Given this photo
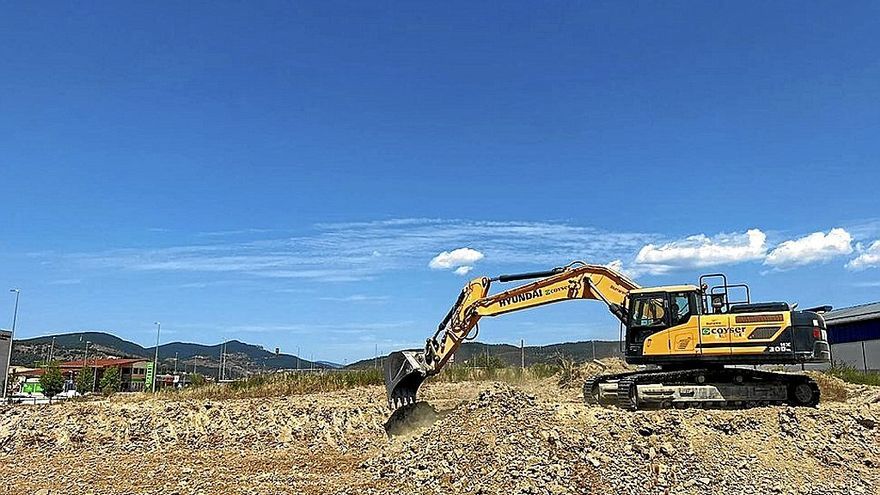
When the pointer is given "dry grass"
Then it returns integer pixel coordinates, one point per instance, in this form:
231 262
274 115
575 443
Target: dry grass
455 374
831 388
573 375
283 384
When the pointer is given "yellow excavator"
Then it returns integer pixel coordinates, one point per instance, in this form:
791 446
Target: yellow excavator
695 340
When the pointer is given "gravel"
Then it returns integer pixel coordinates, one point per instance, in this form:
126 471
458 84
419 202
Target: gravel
470 438
506 441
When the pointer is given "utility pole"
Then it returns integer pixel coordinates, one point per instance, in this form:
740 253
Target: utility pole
156 357
376 357
220 366
175 362
11 341
52 350
522 354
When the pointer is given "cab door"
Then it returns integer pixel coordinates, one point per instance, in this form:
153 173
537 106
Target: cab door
684 331
648 322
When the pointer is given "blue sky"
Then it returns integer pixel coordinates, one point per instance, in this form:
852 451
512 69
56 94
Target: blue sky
284 173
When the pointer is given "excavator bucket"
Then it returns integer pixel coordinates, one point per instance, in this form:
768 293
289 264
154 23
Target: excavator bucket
404 373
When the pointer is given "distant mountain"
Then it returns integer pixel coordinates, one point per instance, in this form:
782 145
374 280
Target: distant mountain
254 357
330 364
577 351
241 358
72 346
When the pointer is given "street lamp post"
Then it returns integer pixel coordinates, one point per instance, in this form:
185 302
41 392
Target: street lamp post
156 358
86 355
85 365
11 340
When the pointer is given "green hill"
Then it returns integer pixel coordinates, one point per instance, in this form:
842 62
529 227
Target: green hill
577 351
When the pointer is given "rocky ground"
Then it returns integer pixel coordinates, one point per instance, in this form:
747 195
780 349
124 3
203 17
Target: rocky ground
475 437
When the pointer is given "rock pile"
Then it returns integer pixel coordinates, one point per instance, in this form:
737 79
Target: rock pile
506 441
501 439
149 424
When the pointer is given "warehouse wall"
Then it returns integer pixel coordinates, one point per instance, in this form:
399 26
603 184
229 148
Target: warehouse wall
850 353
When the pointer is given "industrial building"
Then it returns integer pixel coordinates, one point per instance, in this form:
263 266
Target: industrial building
854 334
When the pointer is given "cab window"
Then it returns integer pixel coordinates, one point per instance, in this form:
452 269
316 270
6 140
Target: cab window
649 312
682 307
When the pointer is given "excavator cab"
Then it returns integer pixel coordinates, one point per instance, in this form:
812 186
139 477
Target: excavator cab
656 310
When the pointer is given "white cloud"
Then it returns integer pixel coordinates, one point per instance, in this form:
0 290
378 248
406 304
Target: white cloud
868 257
814 248
355 251
616 265
457 259
463 270
630 270
701 251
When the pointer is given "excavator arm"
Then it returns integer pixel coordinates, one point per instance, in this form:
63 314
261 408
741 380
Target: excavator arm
405 371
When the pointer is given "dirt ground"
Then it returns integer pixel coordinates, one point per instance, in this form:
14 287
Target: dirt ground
475 437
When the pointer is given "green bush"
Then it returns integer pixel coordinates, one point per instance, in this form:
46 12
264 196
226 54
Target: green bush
852 375
52 382
85 380
197 380
110 381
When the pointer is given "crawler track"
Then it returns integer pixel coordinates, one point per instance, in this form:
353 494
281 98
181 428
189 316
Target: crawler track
725 388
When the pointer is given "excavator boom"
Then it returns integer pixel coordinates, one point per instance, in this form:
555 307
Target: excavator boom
405 371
